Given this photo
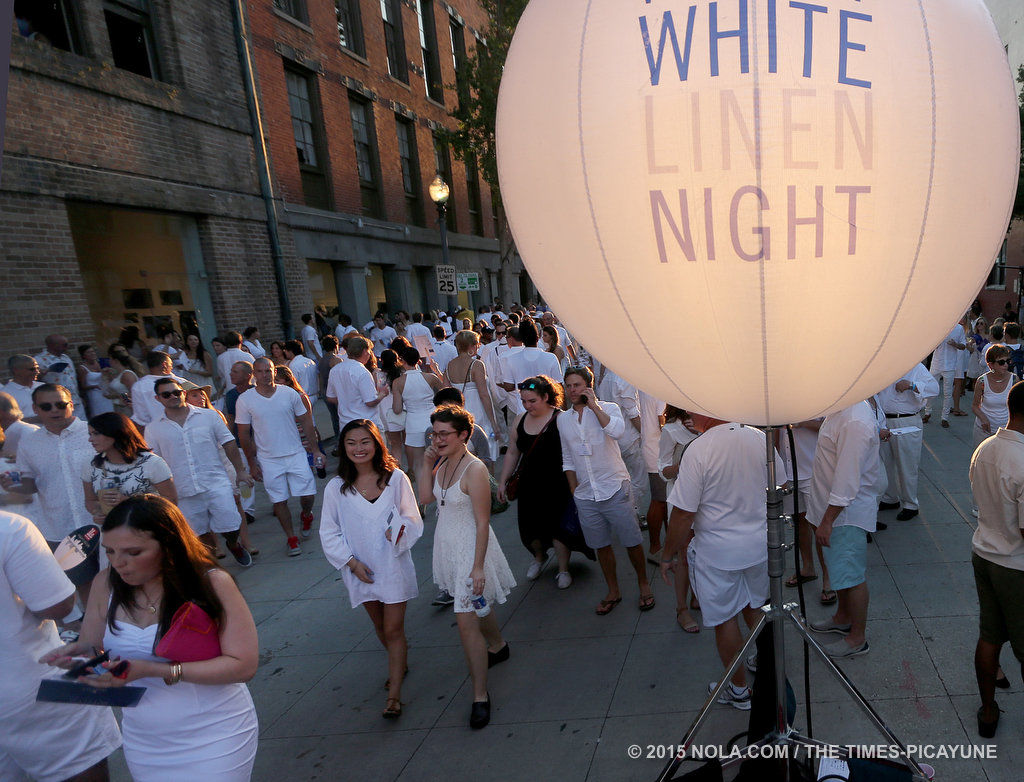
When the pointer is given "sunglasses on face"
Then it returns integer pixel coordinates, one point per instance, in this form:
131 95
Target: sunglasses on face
48 406
169 394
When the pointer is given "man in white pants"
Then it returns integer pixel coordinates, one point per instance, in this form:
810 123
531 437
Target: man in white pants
266 416
901 453
44 741
945 359
189 439
719 494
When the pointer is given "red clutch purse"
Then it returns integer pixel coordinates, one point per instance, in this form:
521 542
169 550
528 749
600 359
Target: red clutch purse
192 636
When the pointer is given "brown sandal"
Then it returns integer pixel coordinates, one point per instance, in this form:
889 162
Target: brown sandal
393 709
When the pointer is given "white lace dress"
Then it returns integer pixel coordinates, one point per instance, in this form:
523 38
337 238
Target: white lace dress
455 549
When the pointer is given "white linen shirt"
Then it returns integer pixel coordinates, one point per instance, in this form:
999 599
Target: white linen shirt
145 406
254 347
381 338
307 375
417 329
997 478
228 359
444 352
55 462
592 451
945 357
341 331
22 394
192 449
308 334
923 387
847 468
352 385
517 365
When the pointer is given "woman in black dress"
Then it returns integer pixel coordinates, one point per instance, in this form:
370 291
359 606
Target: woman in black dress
546 514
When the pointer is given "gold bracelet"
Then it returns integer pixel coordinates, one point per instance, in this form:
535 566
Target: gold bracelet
176 674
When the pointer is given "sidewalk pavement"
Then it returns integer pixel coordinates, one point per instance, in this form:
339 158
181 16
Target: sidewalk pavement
579 689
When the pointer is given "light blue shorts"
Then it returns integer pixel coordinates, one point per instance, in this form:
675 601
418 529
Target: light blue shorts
847 556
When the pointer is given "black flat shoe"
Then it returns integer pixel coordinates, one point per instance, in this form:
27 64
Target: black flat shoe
881 525
480 714
493 658
888 505
985 729
1003 683
907 514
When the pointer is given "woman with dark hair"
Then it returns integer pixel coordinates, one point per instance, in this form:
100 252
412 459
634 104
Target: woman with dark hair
276 354
92 382
194 363
123 466
414 393
535 448
368 524
467 561
391 368
131 341
552 344
196 720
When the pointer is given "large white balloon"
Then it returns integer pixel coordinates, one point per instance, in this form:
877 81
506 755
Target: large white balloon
761 210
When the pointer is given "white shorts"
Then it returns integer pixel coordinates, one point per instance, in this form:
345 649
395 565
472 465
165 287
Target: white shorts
50 742
803 492
723 594
287 476
211 511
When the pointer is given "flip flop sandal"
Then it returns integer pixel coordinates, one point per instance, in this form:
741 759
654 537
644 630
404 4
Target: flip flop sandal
828 597
793 580
605 607
393 710
646 602
689 627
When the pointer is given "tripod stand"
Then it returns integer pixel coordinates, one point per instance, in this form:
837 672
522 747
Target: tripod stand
776 614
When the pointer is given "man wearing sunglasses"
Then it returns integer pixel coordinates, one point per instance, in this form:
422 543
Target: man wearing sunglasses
902 403
50 462
189 439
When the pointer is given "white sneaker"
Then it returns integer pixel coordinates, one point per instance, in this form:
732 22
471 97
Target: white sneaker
533 571
738 698
564 580
752 663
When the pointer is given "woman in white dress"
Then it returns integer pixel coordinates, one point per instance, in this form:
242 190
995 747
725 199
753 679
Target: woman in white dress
468 373
414 393
194 363
123 372
196 720
467 559
391 368
92 382
368 524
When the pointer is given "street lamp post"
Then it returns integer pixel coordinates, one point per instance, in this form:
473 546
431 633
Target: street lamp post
439 193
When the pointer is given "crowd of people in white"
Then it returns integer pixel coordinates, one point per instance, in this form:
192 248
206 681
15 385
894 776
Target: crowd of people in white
161 446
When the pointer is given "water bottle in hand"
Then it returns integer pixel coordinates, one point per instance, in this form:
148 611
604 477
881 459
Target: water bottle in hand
479 601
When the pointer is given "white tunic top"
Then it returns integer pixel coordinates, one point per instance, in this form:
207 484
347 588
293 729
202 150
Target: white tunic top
272 420
352 385
192 450
352 526
591 451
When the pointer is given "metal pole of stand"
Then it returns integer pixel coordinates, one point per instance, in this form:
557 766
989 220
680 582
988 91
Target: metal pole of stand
776 613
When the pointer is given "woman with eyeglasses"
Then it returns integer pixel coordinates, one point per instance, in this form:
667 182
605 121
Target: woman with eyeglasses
990 392
467 560
123 466
368 525
544 499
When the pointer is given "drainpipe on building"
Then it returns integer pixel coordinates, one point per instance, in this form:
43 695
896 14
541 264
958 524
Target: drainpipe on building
263 167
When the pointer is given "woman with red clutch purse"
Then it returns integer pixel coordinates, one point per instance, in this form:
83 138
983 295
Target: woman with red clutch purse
188 637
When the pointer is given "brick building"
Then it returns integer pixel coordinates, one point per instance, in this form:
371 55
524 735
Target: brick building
353 93
129 190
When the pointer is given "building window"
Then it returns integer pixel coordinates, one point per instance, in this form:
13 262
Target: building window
476 217
350 28
997 277
306 126
47 21
296 9
457 33
394 41
411 183
367 160
130 29
443 166
428 45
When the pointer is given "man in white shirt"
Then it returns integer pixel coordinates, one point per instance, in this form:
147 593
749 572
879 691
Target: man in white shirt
41 740
531 361
844 507
901 453
719 494
251 342
231 356
416 328
170 343
945 358
352 388
344 327
599 483
266 416
57 368
380 333
24 371
612 388
145 405
444 351
997 480
304 369
310 339
13 429
189 439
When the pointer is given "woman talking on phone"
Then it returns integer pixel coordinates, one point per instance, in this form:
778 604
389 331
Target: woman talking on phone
196 720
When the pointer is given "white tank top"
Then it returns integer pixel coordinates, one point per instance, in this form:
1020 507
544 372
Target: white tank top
993 404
